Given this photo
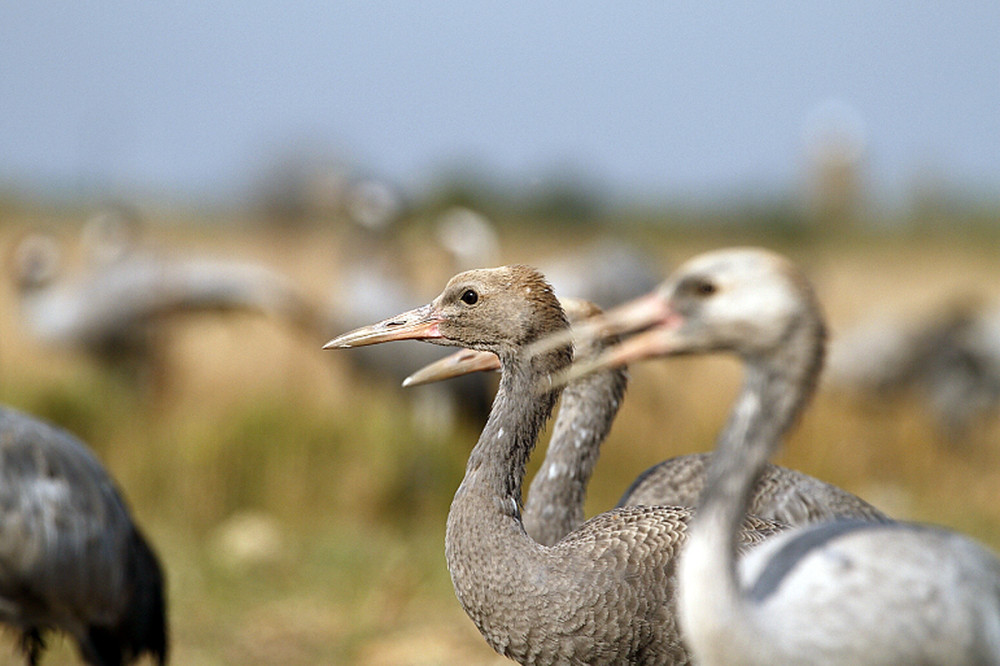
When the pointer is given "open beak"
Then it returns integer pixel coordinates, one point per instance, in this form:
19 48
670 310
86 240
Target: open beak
418 324
460 363
635 315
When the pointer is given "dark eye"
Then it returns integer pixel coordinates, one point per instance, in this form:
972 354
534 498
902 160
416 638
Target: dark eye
469 297
704 288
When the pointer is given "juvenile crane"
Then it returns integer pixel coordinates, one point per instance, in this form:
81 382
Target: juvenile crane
71 558
840 592
603 594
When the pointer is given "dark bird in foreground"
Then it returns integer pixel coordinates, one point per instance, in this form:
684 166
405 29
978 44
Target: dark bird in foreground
71 558
554 506
605 593
838 592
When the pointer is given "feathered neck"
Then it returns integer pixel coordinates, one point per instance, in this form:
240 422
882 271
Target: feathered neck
520 410
775 389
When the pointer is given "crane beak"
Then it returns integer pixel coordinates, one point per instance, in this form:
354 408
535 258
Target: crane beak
460 363
418 324
636 315
661 340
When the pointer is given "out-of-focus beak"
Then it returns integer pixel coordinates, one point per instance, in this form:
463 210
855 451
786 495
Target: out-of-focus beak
418 324
460 363
635 315
661 340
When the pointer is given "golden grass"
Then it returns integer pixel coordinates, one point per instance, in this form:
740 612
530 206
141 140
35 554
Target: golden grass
351 498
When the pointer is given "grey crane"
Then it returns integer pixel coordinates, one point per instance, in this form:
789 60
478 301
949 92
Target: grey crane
71 557
554 506
949 356
116 313
838 592
604 593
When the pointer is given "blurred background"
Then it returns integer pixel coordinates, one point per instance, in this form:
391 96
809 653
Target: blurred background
193 199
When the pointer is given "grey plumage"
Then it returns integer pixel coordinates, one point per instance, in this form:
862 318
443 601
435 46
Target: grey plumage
785 495
827 593
116 312
949 357
605 593
554 506
71 558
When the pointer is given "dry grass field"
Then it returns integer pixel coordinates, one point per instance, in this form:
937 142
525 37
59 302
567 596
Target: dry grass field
299 513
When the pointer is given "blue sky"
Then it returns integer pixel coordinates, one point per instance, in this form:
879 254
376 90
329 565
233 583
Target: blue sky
645 98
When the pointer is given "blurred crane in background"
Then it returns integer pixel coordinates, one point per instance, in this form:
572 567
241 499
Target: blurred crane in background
950 357
117 310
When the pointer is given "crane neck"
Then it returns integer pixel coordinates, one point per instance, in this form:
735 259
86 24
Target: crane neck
776 387
484 522
497 463
554 506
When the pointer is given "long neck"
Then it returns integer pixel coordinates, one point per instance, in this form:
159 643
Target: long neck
775 389
519 412
554 506
485 539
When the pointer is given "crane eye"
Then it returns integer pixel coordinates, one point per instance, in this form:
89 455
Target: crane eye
470 297
705 288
